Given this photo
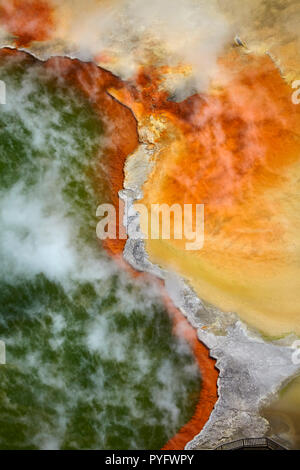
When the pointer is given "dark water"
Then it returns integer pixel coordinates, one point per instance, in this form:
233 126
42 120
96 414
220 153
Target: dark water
91 359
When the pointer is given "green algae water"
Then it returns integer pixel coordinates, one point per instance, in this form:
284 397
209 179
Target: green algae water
91 362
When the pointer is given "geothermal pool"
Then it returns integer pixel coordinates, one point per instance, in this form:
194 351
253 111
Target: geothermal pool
92 361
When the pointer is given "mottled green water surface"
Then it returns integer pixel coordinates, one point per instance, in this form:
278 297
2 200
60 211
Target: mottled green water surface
91 359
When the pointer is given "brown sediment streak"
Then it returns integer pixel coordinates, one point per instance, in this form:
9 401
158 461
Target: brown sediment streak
27 20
